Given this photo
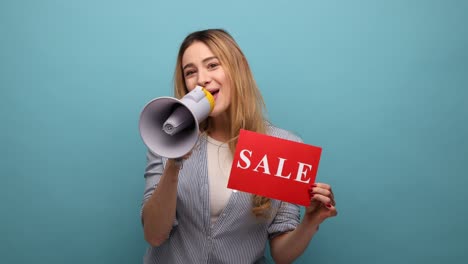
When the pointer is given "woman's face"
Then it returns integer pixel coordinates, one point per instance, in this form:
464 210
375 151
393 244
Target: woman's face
201 67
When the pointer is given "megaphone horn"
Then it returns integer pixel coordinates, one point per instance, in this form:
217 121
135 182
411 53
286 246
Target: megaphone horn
169 127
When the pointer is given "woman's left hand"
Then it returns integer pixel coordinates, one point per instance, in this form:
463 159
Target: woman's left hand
322 203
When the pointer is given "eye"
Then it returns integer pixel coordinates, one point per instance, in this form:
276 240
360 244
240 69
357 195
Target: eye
189 72
213 65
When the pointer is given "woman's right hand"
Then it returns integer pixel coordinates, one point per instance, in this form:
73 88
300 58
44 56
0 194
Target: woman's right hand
178 162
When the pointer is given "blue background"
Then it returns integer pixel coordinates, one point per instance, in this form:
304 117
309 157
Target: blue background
380 85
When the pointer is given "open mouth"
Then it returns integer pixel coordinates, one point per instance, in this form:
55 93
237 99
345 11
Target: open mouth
214 93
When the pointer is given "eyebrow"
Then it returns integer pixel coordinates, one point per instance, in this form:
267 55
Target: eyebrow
204 61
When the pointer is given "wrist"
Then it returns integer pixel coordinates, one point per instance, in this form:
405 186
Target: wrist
311 221
171 170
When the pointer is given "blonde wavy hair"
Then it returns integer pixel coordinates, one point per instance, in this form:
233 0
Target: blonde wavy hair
247 108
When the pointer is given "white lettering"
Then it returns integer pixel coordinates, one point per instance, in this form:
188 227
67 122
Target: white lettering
301 172
245 159
263 164
279 171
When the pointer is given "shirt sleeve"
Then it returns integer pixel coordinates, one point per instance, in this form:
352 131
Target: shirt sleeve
153 172
287 218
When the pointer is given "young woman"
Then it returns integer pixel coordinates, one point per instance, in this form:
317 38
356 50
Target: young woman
188 214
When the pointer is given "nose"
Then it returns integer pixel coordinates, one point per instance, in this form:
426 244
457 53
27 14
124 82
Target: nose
204 78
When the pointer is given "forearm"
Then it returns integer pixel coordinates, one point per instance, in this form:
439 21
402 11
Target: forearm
159 210
291 245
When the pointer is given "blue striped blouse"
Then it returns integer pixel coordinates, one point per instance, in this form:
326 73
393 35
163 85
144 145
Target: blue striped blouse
236 237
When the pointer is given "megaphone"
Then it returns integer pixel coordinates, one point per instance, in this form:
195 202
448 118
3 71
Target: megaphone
169 127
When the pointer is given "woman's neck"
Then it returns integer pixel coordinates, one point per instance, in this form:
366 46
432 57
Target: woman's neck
219 128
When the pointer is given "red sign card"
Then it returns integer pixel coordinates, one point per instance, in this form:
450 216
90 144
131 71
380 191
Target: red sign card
274 167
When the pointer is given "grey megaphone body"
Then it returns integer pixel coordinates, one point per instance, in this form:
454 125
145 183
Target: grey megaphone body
169 127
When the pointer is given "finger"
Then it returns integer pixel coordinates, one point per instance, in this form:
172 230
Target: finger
316 187
186 156
332 211
322 191
323 199
322 185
